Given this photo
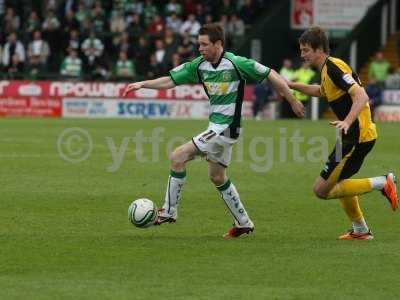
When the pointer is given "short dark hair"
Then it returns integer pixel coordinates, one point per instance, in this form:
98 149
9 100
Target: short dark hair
316 38
214 31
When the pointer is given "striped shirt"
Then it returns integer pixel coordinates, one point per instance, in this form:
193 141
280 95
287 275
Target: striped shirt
224 85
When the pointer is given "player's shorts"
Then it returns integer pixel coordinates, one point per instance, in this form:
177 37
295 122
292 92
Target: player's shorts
346 161
216 148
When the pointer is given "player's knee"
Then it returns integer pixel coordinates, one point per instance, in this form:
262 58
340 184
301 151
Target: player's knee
217 179
177 158
320 193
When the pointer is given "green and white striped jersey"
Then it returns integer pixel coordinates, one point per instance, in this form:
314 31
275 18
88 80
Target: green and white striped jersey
224 85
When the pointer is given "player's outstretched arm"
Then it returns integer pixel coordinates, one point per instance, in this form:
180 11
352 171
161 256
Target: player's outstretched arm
160 84
281 86
308 89
360 99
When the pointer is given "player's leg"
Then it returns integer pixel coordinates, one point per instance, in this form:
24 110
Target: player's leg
330 177
230 195
346 187
176 180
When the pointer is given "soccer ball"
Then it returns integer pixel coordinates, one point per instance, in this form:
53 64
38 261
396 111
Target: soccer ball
142 213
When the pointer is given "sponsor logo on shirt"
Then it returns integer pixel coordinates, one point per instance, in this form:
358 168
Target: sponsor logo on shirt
348 78
227 76
217 88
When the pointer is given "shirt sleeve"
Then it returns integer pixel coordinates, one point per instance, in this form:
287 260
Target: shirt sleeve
341 76
185 74
252 70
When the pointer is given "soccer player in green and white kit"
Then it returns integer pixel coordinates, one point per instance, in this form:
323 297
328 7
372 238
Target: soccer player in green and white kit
223 76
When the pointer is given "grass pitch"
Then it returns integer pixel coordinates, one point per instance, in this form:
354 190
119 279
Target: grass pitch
64 232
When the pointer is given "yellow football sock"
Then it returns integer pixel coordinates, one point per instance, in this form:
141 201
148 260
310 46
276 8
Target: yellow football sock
352 208
350 187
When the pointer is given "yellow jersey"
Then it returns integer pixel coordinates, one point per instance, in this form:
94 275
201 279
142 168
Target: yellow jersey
337 82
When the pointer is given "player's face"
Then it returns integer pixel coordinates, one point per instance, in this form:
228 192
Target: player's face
310 55
207 49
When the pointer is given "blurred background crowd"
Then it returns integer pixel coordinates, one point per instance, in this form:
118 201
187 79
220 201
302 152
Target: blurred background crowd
113 40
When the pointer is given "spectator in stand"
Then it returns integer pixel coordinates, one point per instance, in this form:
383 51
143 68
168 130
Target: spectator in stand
263 94
175 62
71 66
223 21
173 7
236 29
186 49
287 70
51 33
379 69
171 44
11 22
16 67
33 23
35 68
289 74
92 48
11 48
74 41
305 75
154 69
160 54
82 14
174 22
149 11
117 25
200 13
134 25
156 27
393 79
38 49
208 19
133 7
69 23
191 26
51 21
189 7
226 8
142 55
248 12
124 67
98 18
125 45
374 92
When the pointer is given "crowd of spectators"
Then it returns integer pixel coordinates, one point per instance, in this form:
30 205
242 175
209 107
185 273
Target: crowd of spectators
111 39
381 75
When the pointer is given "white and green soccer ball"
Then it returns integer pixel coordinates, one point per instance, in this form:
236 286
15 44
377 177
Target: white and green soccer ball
142 213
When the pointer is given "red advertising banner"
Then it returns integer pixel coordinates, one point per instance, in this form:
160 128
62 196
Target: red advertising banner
61 89
30 106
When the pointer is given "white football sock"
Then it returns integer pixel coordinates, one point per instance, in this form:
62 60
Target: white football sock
360 226
378 182
235 206
173 194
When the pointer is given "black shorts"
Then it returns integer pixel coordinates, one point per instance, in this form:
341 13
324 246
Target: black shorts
348 161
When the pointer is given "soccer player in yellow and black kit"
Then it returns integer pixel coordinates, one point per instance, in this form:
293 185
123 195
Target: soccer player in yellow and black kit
342 88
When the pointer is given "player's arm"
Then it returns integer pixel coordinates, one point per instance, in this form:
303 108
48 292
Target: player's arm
308 89
281 86
161 83
360 99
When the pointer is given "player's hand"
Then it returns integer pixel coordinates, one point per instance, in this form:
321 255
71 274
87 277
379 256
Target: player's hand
298 108
288 82
132 87
342 125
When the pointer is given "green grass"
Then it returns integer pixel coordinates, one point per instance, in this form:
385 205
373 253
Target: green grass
64 232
